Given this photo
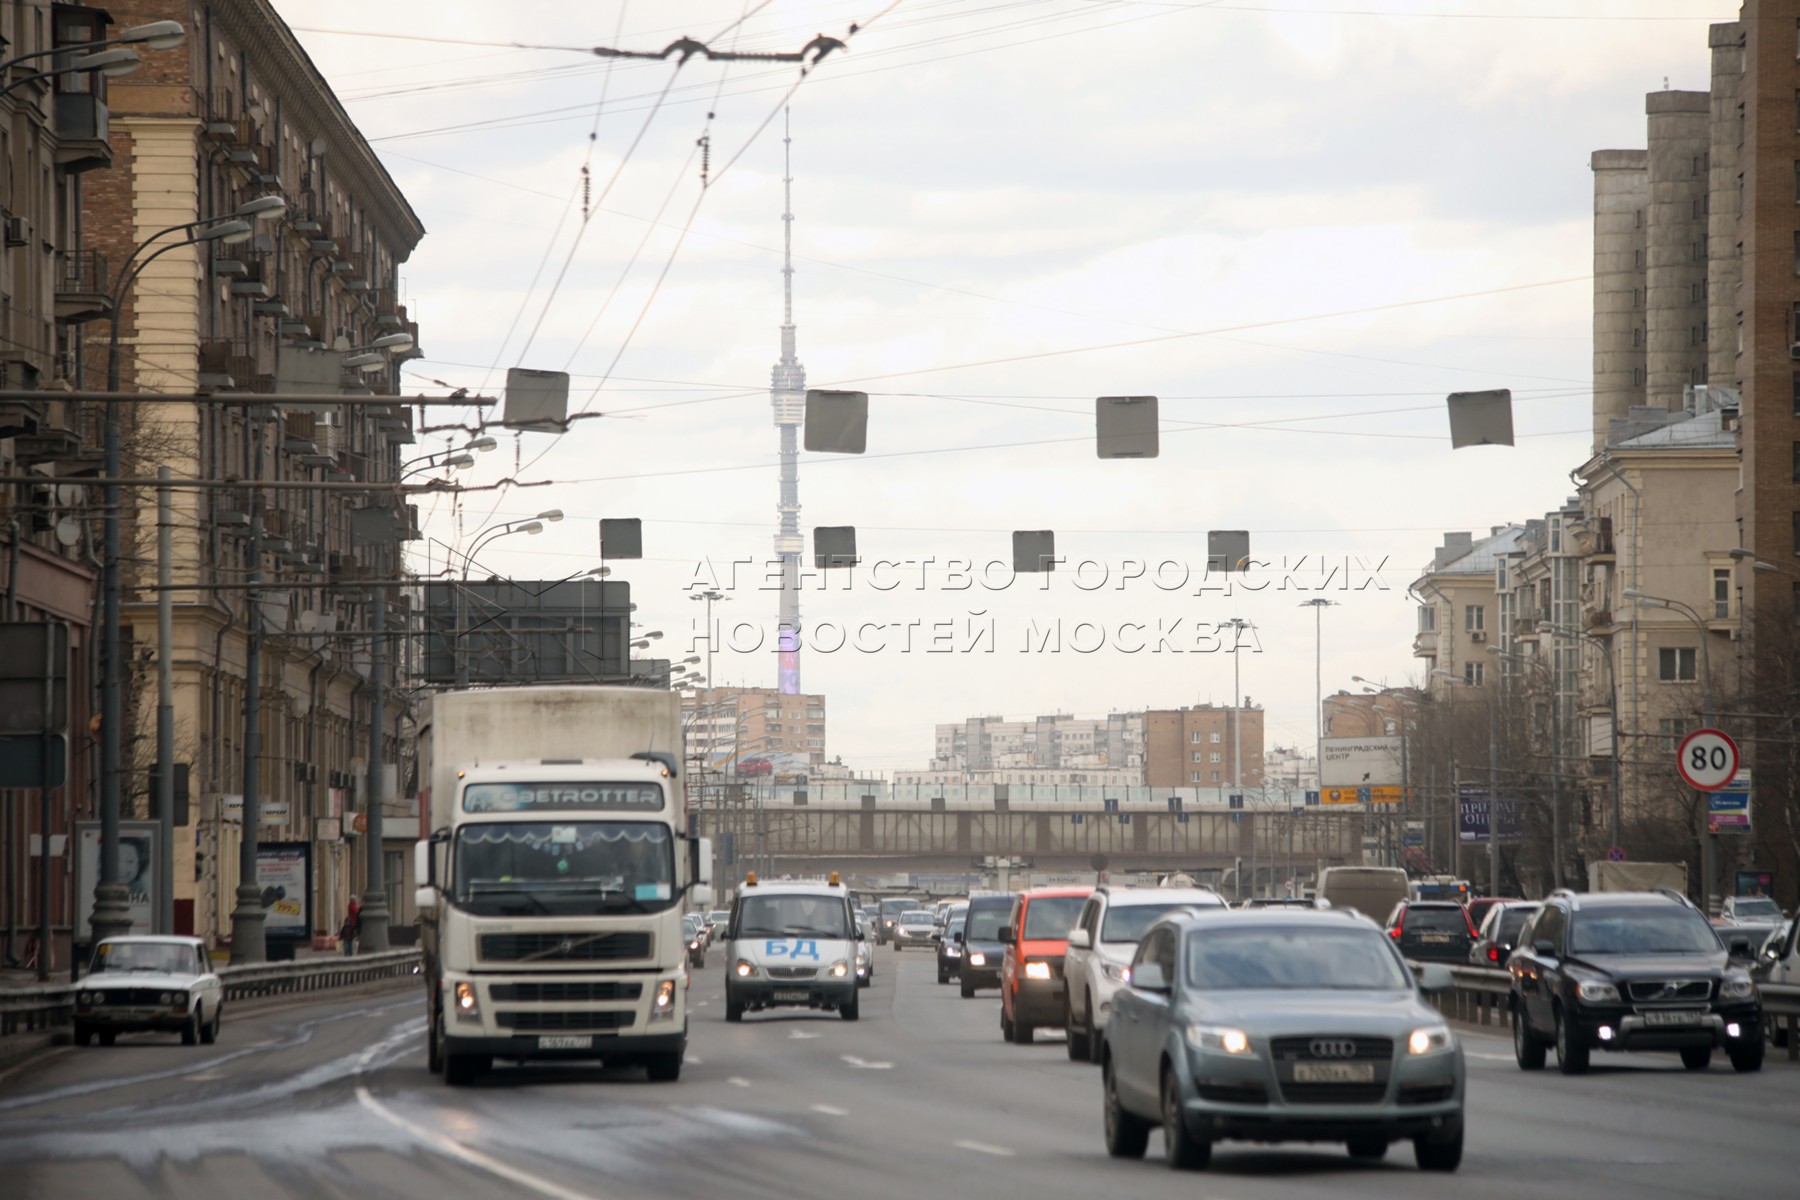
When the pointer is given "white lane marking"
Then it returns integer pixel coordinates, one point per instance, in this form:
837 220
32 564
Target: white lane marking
445 1145
46 1056
205 1076
738 1081
830 1111
700 1003
983 1148
1490 1057
690 1060
864 1065
800 1035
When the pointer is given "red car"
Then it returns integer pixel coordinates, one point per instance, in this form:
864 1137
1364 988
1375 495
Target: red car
1036 936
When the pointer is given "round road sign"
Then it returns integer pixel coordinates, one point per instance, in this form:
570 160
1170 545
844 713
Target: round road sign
1707 759
1616 854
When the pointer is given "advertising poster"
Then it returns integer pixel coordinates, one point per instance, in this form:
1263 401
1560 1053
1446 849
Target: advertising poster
1472 816
137 870
1362 762
284 869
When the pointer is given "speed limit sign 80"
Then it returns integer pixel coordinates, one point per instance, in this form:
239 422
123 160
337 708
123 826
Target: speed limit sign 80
1707 759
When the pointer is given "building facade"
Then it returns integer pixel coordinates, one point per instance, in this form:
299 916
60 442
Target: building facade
731 727
1458 608
310 302
1201 747
1051 742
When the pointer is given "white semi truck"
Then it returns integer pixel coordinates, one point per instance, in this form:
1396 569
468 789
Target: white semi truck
554 865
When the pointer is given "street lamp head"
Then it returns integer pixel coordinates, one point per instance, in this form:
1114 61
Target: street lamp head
461 462
231 233
601 573
1642 598
158 35
654 633
263 208
532 527
482 445
1740 553
393 341
1763 568
366 362
550 514
691 659
120 60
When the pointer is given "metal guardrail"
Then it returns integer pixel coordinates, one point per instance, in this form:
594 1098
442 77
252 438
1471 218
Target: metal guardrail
50 1007
1479 997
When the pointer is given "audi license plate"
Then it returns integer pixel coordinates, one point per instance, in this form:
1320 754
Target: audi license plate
1305 1072
567 1042
1674 1017
801 996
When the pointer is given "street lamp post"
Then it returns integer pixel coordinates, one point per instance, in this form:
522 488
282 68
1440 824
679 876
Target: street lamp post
529 525
1706 716
709 595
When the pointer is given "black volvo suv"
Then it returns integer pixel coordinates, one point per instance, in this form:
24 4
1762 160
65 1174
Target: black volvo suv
1630 971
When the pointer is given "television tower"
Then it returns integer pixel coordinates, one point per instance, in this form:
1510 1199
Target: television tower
787 393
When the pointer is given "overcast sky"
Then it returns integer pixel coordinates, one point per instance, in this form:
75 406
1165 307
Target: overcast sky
1299 224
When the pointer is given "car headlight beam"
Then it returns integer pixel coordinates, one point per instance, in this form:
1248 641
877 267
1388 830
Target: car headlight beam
1218 1039
467 1003
1037 970
839 969
744 969
978 959
1428 1040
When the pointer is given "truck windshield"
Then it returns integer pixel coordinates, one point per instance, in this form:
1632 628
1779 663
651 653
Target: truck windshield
564 868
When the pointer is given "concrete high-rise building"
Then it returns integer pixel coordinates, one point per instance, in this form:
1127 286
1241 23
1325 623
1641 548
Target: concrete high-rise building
1055 741
1621 202
728 727
1198 747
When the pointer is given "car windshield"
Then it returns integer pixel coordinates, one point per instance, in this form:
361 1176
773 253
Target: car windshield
985 922
144 956
893 908
1435 920
1759 908
555 867
718 918
793 916
1127 922
1049 917
1310 959
1645 930
917 918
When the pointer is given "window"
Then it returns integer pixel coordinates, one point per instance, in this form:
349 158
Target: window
1694 288
1797 533
1722 575
1215 777
1212 756
1197 755
1194 736
1740 336
1428 612
1640 212
1474 618
1214 737
1694 330
1637 258
1473 673
1637 297
1194 776
1637 377
1675 664
1797 393
1637 336
1695 171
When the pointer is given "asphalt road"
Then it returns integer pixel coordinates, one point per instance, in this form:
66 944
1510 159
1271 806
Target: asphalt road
918 1097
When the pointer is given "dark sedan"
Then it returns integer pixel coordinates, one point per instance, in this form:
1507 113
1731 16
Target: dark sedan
1432 930
1499 931
982 948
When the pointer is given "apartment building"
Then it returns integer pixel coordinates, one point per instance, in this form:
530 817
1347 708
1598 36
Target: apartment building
1050 742
731 727
1201 746
1459 610
309 302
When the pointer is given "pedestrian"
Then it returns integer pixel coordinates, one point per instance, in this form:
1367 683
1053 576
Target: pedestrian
351 929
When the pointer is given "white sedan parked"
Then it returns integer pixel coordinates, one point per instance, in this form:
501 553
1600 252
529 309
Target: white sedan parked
154 983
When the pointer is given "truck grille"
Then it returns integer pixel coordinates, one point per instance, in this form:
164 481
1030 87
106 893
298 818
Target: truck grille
136 997
565 993
1670 991
564 947
792 972
558 1022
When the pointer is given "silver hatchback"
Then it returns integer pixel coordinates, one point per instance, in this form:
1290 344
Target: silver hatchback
1280 1026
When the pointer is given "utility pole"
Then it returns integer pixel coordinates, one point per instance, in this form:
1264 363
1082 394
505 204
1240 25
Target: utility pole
247 943
373 936
165 704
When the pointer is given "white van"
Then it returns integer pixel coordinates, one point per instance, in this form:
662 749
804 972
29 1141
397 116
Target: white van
791 945
1371 891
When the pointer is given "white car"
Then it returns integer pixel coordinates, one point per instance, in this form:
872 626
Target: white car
1105 936
865 952
149 983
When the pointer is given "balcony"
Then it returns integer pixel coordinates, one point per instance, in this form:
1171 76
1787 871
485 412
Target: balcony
1425 644
20 418
83 290
67 440
83 132
231 365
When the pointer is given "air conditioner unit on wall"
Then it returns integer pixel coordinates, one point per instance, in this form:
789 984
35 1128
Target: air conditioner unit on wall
1476 635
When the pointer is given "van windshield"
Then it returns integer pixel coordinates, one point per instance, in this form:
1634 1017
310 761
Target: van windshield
793 916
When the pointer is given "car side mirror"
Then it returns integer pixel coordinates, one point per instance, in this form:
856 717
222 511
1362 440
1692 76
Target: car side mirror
1435 977
1148 977
957 937
1545 947
702 893
1006 935
861 936
1080 939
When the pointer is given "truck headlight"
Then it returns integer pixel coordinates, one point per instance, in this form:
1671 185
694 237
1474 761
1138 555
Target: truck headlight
1597 991
1218 1039
1429 1039
1737 986
1037 970
467 1005
663 1007
744 969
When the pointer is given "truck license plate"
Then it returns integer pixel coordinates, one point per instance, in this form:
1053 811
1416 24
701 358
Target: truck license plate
800 996
1678 1017
1334 1072
567 1042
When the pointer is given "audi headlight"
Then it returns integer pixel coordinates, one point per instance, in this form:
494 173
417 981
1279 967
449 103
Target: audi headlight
467 1004
1117 972
663 1007
1737 986
1428 1040
1037 970
1218 1039
1597 991
744 969
839 969
978 959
